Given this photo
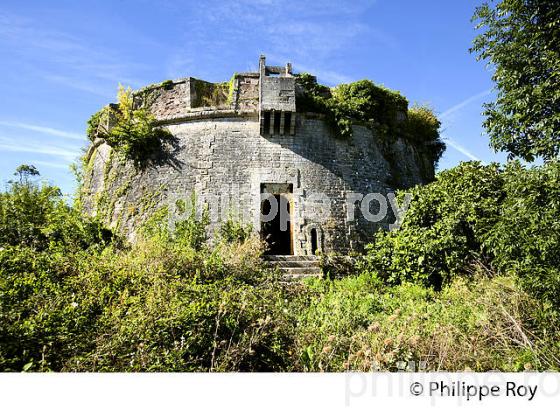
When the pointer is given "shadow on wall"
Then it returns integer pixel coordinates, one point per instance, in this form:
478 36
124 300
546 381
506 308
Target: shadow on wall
165 154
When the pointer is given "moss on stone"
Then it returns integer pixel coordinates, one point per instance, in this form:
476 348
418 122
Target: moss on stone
167 84
210 94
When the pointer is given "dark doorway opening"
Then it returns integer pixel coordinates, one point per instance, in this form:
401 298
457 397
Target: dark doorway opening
314 244
287 122
277 232
277 116
266 122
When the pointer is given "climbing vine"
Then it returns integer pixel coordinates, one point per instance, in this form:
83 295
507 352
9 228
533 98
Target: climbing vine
130 131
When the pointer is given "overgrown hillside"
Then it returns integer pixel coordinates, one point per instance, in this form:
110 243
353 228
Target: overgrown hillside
470 281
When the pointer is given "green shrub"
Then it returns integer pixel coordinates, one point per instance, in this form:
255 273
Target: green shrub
165 303
526 237
502 218
486 324
443 229
337 266
192 231
361 101
38 217
423 126
131 131
189 231
232 230
182 311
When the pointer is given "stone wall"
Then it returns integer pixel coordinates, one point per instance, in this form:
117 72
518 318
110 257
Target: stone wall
176 99
246 91
228 159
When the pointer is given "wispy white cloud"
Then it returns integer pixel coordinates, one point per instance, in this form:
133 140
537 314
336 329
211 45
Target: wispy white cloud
457 107
44 130
303 38
447 115
68 154
65 59
294 8
51 164
312 35
81 84
454 144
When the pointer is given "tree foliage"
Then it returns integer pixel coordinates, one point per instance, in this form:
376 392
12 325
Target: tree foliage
521 42
474 216
38 217
24 172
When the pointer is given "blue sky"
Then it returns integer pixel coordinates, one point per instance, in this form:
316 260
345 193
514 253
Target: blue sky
63 60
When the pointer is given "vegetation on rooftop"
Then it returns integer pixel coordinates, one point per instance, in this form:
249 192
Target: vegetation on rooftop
130 131
384 111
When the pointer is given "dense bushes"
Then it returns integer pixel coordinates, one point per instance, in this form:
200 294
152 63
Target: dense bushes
361 101
153 307
384 111
503 218
481 325
38 217
79 300
168 302
526 237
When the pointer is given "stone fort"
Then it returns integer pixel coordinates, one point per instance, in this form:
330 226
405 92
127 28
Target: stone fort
232 145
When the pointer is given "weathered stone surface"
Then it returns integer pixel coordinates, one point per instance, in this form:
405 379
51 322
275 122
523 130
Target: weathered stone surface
221 155
228 159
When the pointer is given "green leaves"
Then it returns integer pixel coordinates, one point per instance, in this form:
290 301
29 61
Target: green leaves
506 219
441 230
38 217
384 111
520 41
130 131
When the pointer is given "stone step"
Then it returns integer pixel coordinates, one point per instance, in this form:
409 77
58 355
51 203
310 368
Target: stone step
303 271
295 267
299 276
292 274
294 264
277 258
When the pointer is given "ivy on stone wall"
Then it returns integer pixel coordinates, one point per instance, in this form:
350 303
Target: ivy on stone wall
129 131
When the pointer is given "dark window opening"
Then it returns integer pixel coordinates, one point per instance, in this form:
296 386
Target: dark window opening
266 122
278 240
314 241
277 122
287 121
